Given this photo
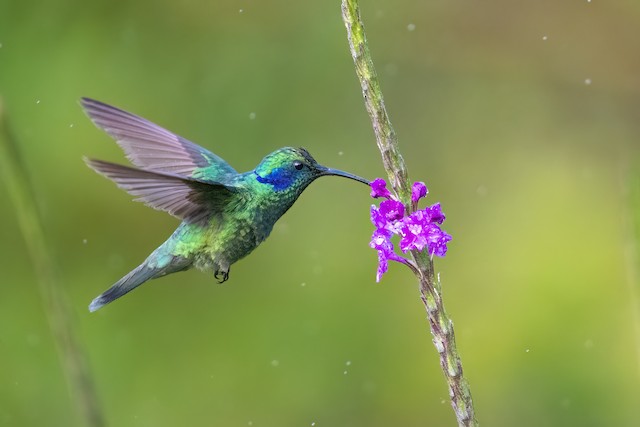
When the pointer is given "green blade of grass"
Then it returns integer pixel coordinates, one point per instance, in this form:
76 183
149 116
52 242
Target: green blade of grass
13 173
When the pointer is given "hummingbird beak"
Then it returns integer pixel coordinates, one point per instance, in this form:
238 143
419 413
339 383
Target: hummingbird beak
324 171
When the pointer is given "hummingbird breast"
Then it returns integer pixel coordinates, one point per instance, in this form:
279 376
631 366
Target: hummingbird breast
234 233
225 241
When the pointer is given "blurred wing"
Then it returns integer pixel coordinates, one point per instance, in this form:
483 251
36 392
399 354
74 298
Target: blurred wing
149 146
185 198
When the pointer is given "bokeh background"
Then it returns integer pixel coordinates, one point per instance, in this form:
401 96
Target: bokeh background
522 117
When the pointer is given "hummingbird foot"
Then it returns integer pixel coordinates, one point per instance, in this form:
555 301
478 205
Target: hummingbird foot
221 276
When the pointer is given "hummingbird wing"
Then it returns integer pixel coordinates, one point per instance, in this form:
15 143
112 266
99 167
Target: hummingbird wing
188 199
150 146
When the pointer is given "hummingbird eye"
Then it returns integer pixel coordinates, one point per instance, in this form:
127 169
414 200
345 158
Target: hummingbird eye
298 165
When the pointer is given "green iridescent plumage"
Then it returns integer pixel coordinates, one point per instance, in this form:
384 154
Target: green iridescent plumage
225 214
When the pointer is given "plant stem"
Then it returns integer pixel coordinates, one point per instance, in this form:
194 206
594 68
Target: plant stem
74 362
430 288
630 188
385 135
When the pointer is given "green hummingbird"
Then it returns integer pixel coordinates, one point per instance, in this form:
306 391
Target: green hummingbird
225 214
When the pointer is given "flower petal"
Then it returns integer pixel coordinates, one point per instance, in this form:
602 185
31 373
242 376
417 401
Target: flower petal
381 241
377 218
379 188
418 191
438 243
383 266
420 230
392 210
435 214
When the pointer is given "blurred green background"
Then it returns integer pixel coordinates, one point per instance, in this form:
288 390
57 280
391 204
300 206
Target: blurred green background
522 117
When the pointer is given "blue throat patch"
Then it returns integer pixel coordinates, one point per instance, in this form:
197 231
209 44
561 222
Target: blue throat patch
279 178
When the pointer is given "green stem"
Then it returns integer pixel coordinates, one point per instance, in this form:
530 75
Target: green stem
630 183
430 288
74 362
385 135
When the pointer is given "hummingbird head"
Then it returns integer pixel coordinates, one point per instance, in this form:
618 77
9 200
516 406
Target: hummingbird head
293 168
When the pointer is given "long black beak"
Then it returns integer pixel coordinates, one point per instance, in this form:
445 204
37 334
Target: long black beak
324 171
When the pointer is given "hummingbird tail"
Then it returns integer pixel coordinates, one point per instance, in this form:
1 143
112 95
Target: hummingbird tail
135 278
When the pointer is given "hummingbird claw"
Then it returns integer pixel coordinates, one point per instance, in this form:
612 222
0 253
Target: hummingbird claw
221 276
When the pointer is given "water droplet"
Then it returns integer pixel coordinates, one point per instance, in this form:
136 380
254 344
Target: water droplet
545 38
37 101
84 241
275 363
252 116
345 372
313 423
411 27
348 363
250 423
340 153
303 284
241 10
443 401
526 351
587 81
71 125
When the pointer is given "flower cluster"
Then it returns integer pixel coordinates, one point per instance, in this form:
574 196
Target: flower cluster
417 231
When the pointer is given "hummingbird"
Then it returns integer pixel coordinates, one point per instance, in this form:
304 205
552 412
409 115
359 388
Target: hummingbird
224 214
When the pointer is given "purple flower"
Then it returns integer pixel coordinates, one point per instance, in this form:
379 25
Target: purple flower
418 191
438 246
379 188
381 241
418 231
434 212
377 218
387 215
392 210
